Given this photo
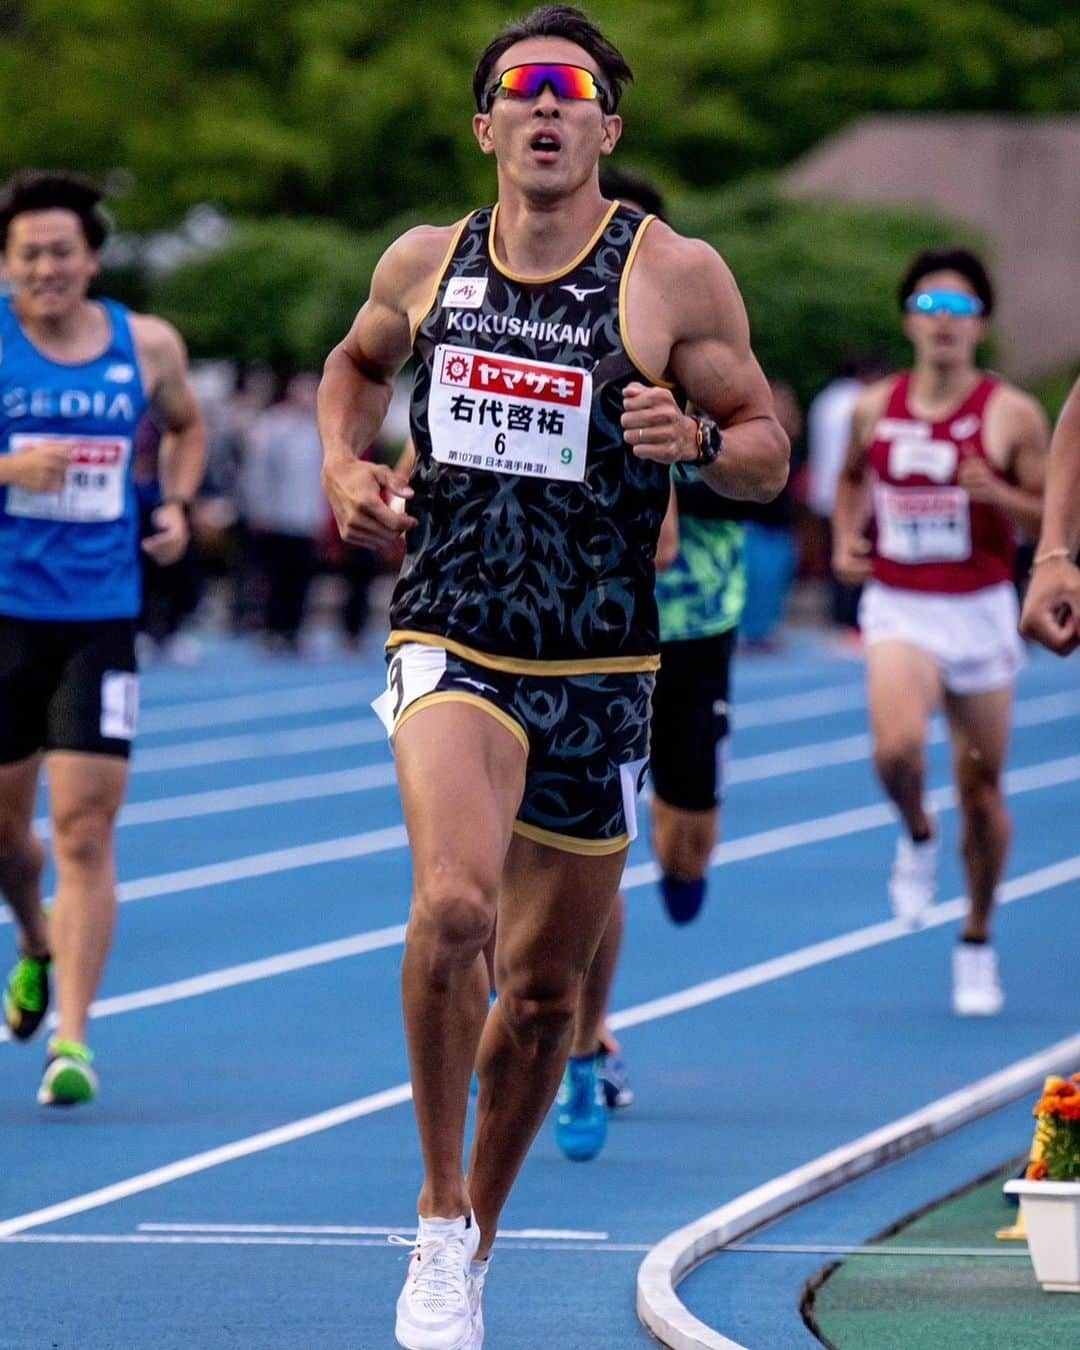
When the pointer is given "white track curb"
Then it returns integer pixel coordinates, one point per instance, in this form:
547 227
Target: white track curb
659 1307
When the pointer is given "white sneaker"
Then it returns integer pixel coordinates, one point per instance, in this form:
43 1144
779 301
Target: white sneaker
434 1311
478 1272
913 881
977 988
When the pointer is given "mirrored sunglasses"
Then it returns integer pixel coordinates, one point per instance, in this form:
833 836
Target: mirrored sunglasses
572 82
957 303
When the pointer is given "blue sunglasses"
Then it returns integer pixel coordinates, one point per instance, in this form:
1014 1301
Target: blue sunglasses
957 303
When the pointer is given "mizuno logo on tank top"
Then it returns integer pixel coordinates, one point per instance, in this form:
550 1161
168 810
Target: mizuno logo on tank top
537 525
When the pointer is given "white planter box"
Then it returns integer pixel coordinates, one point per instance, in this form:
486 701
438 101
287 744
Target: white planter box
1052 1214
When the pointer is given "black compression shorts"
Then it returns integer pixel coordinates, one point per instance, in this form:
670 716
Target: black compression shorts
67 686
690 721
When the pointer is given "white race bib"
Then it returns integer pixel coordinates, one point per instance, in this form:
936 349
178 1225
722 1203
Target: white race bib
413 671
911 456
632 780
925 524
119 704
93 490
508 415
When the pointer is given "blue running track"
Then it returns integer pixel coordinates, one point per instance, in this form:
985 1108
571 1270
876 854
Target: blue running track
253 1144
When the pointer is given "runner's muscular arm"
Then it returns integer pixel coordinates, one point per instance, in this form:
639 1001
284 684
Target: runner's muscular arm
708 356
851 551
175 408
357 384
1052 604
1019 425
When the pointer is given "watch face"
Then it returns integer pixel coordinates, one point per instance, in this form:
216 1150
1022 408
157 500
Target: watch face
709 441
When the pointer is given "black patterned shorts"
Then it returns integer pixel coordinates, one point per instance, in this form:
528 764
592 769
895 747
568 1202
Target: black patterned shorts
586 738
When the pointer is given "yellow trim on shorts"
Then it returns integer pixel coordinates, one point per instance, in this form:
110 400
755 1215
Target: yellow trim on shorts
439 276
452 696
519 665
623 330
551 276
566 843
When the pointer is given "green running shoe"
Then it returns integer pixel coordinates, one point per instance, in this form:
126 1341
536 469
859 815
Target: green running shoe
26 996
68 1078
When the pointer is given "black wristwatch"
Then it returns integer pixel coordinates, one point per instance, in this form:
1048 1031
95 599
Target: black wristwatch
710 441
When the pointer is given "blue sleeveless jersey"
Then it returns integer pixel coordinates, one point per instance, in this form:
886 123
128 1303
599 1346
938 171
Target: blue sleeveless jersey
71 554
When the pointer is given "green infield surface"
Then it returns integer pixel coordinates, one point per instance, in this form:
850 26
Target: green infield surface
941 1279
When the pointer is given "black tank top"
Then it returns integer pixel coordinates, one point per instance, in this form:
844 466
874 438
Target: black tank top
537 526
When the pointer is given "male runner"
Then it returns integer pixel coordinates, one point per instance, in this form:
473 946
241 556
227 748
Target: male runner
76 376
954 459
1052 604
548 334
700 593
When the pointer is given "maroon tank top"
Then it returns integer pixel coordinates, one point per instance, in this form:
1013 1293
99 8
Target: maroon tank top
928 534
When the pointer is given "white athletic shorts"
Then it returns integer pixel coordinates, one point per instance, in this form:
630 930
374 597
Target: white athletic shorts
972 637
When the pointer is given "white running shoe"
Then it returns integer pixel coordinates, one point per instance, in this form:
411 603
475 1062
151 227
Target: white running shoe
913 881
478 1273
434 1311
977 988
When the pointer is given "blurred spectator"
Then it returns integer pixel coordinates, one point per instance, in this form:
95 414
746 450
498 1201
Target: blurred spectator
283 505
169 594
769 540
828 430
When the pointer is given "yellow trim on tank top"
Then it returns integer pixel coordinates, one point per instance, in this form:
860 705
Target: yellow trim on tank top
624 332
517 665
566 843
447 260
453 696
551 276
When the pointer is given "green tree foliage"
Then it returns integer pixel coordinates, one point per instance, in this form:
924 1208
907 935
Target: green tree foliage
280 292
359 109
819 282
819 279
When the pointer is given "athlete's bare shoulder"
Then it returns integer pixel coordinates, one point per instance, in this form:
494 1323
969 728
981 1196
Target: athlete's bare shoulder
154 335
160 347
869 406
409 267
696 285
1015 422
1015 404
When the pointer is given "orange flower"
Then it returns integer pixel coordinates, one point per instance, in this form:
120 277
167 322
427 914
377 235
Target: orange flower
1036 1171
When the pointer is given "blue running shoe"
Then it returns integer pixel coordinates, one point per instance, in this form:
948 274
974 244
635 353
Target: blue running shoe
581 1110
614 1080
682 899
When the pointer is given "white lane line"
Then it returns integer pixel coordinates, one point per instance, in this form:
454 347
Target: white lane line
846 944
368 731
661 1310
1030 712
223 1240
269 704
256 707
312 787
750 977
1034 778
1020 888
844 823
215 1157
257 745
273 792
366 1230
